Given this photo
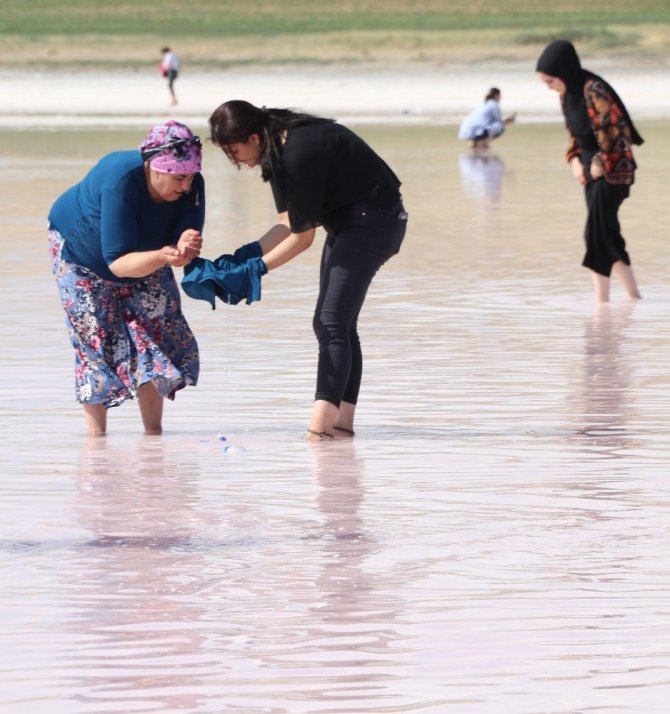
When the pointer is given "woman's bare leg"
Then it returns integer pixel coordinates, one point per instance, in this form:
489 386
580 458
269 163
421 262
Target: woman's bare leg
624 273
327 420
344 423
322 422
601 285
151 408
96 419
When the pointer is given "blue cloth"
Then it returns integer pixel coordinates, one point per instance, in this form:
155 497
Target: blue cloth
249 250
231 278
110 213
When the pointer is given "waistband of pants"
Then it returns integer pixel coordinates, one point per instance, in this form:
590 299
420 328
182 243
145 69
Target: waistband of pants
363 213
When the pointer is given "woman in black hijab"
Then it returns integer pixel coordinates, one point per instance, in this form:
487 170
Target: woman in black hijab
600 154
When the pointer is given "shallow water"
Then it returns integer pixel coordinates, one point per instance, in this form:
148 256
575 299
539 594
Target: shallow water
494 540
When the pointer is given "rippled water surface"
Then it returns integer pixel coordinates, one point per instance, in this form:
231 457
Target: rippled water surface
495 540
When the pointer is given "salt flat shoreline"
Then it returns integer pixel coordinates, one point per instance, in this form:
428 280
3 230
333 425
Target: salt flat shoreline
416 94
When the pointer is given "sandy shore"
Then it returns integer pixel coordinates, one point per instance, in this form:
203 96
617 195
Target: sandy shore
416 94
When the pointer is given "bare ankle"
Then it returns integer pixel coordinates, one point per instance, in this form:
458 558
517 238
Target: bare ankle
313 435
343 432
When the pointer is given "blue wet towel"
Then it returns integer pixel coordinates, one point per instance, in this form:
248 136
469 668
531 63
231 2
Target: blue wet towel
231 278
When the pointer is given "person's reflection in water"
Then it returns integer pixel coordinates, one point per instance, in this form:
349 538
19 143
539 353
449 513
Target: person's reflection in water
142 642
481 175
357 609
604 405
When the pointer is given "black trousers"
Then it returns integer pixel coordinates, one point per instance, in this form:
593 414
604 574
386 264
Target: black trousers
355 249
604 243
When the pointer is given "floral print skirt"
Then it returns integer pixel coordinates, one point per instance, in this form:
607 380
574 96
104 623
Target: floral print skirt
124 335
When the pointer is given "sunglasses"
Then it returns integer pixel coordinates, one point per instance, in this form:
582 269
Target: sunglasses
178 146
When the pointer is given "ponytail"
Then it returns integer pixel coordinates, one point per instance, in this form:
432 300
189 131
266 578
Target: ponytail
235 121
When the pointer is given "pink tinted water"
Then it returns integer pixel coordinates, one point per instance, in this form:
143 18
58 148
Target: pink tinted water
494 540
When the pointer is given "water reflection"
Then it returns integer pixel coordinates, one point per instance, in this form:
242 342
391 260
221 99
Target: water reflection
605 402
355 604
481 174
474 549
133 616
336 639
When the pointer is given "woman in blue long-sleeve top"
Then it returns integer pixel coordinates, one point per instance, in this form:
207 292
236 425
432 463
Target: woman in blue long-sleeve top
114 239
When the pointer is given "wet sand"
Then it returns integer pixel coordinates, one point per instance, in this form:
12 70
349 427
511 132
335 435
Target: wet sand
415 94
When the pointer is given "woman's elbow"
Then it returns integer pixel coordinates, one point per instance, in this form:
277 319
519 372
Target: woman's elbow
306 238
115 268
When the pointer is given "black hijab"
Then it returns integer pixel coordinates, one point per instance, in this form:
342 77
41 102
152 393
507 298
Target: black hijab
560 59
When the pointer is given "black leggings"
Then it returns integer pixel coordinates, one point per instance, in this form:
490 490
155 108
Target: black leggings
351 257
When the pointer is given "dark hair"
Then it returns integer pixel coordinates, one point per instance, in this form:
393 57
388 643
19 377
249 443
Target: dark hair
165 49
493 93
233 122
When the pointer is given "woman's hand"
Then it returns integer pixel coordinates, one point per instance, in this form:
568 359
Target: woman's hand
578 171
189 245
170 255
596 169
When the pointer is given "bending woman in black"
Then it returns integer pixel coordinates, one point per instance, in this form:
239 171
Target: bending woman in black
600 154
322 174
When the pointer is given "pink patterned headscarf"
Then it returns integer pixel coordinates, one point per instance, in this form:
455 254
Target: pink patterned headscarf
172 148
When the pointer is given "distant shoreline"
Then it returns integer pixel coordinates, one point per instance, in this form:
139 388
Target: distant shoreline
414 93
382 76
460 36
